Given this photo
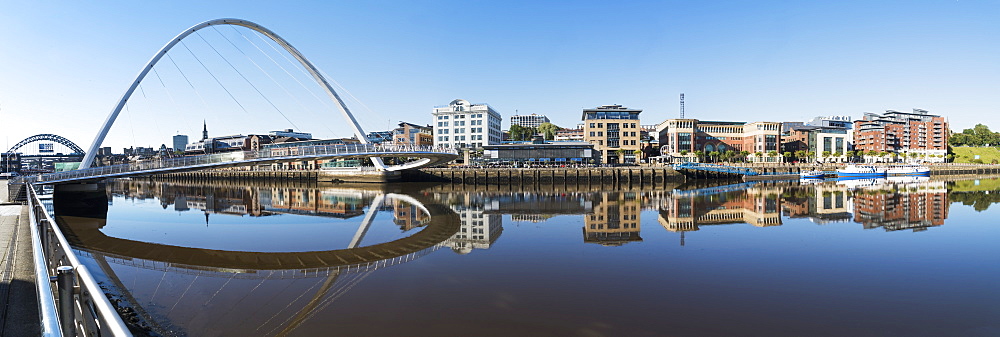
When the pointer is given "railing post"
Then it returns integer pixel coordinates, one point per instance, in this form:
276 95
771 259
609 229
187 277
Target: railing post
64 284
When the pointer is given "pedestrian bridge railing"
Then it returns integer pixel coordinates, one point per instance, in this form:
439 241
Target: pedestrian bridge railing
71 303
237 158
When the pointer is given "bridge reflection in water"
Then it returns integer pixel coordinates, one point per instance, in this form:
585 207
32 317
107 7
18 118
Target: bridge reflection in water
178 290
210 287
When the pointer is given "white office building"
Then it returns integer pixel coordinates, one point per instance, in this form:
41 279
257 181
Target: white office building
528 121
461 124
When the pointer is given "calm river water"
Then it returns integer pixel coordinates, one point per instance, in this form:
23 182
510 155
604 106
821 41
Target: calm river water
905 257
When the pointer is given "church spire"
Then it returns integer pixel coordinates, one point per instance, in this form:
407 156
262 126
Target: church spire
204 131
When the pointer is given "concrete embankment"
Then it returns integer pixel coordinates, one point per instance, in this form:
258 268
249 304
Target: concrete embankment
286 176
626 175
521 176
615 175
791 171
965 169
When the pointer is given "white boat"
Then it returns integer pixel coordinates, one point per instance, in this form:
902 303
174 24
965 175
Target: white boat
810 181
812 175
908 180
860 170
862 183
907 170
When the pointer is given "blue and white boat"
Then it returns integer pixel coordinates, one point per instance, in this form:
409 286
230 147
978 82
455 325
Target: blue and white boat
812 175
907 170
860 170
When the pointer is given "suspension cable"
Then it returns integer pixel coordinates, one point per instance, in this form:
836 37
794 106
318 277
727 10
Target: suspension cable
294 65
310 91
289 93
323 73
247 80
213 77
202 98
130 127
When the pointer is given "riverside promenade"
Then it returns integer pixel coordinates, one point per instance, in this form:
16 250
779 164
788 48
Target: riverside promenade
18 302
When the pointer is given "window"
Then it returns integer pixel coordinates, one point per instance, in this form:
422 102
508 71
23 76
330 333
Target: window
592 125
600 125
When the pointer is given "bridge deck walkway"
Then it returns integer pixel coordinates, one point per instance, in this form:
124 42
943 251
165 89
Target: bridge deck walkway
18 301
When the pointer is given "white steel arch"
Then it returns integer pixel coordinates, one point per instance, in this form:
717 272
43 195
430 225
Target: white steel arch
358 131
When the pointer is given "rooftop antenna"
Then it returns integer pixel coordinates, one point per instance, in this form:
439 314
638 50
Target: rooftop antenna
682 105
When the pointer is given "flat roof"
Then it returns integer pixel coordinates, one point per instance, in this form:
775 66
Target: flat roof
557 143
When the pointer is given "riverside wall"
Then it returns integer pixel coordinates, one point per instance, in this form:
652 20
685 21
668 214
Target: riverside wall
527 176
522 176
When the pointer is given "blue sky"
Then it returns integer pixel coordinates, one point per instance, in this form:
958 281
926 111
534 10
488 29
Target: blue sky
64 64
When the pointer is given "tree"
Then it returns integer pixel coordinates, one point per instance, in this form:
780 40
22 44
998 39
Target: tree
699 154
728 155
621 155
743 155
799 154
978 135
714 155
517 132
788 155
851 155
826 155
684 152
872 153
549 130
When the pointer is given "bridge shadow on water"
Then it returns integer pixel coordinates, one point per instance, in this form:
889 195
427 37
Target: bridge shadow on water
164 289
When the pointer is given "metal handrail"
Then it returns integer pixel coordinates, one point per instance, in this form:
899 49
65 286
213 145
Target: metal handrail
47 315
93 314
236 156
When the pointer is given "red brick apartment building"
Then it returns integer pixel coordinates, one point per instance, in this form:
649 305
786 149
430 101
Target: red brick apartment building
903 133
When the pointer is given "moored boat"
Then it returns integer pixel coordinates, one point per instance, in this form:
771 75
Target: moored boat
812 175
907 170
856 170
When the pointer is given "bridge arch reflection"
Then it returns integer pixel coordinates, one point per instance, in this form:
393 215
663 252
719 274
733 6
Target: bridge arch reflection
184 286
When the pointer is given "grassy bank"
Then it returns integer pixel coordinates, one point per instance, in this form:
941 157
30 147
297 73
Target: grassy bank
967 154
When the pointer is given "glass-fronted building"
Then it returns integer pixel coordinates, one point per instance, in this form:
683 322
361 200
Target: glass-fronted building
539 152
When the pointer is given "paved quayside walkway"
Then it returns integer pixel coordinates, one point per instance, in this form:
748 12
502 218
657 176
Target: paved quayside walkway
18 306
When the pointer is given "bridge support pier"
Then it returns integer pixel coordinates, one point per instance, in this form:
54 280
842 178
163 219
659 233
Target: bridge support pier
89 200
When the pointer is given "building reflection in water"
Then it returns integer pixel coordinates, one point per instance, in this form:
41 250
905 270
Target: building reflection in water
615 220
820 203
170 286
478 229
758 205
900 204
